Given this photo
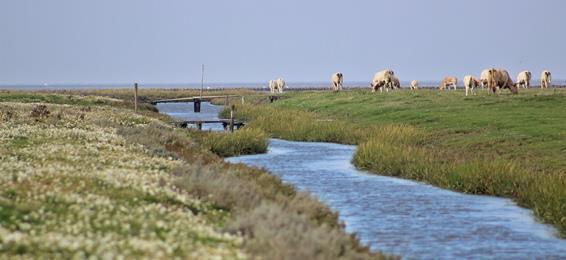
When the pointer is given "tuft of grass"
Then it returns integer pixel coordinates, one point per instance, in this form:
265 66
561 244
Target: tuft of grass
294 237
241 142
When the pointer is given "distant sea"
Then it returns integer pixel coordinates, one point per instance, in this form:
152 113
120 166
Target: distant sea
254 85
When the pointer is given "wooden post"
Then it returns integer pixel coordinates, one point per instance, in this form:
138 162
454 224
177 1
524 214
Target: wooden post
226 100
202 81
196 103
232 108
136 97
243 100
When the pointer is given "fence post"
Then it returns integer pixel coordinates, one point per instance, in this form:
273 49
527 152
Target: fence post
232 108
136 97
243 100
196 103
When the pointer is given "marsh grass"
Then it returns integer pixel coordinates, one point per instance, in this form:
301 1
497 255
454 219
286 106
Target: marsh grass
295 237
133 186
510 146
241 142
71 188
241 190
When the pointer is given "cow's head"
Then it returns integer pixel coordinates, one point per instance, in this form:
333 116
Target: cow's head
514 89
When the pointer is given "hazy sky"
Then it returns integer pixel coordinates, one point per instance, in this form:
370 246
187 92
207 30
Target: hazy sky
151 41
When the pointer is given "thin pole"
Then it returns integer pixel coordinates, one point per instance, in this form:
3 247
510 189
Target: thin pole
135 97
232 114
202 81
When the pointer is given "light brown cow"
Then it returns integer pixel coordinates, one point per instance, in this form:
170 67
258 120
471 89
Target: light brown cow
337 81
414 84
524 79
471 83
382 79
545 79
499 78
447 82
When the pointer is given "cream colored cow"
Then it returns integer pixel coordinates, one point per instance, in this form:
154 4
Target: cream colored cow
524 79
447 82
471 83
272 86
277 85
414 84
382 79
545 79
484 78
337 81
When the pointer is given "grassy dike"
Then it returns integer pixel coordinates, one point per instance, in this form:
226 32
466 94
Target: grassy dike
85 176
509 146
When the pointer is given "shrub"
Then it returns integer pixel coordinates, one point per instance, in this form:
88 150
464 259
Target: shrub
241 142
278 234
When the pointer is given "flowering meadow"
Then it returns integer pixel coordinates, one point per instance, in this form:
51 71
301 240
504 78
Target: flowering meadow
83 176
71 187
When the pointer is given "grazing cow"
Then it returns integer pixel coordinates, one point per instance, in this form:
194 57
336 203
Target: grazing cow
337 81
524 79
471 83
382 79
545 78
396 83
447 82
499 78
277 85
414 84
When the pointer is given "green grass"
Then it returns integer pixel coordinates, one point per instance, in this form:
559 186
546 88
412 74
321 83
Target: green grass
508 145
241 142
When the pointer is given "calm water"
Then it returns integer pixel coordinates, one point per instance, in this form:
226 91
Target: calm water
408 218
397 216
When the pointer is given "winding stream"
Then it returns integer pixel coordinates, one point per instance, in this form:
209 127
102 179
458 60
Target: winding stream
403 217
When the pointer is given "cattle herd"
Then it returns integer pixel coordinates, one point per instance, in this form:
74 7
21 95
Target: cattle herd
493 79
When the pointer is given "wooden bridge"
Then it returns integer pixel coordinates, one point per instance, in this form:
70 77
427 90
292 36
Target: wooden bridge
228 124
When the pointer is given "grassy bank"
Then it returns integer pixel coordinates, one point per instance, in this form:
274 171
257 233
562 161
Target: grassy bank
92 178
510 146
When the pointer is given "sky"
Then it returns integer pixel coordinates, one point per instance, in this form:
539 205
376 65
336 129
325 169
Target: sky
150 41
